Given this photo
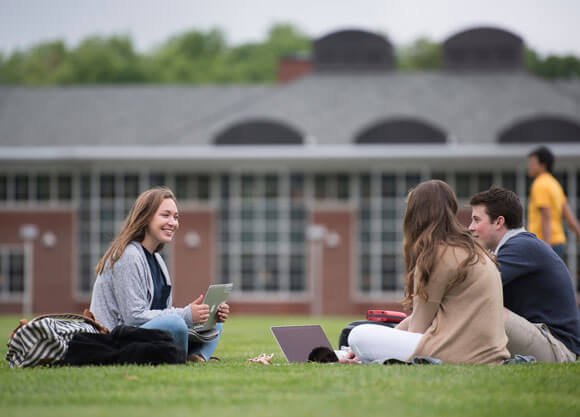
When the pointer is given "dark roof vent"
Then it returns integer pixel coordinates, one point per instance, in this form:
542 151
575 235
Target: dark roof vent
483 49
353 50
542 129
401 131
259 132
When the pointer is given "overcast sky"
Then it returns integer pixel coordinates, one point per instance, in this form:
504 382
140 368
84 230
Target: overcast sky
547 26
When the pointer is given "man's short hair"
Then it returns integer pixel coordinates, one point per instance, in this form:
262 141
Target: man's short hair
545 157
500 202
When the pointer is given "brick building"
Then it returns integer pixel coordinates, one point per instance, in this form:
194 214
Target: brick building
295 192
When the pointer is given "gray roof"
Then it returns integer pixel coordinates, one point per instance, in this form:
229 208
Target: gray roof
329 109
571 87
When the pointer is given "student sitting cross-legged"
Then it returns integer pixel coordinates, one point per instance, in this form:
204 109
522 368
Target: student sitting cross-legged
541 315
133 285
452 284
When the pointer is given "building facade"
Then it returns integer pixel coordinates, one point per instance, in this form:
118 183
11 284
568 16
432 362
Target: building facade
293 192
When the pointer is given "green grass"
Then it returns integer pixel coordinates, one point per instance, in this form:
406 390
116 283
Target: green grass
235 388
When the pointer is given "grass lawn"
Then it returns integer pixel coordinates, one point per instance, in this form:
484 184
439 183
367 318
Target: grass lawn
232 387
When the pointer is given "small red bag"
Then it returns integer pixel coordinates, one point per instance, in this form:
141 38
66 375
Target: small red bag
386 316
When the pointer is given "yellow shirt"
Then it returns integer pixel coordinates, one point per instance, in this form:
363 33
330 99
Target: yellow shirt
546 191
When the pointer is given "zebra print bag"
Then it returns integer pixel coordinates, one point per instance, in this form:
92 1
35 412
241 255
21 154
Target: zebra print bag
45 339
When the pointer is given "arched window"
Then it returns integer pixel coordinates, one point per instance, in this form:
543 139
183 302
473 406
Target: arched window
542 129
259 132
353 50
401 131
483 48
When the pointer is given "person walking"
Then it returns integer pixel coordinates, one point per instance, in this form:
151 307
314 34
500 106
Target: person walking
547 203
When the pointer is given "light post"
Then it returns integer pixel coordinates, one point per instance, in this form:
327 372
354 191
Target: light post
28 233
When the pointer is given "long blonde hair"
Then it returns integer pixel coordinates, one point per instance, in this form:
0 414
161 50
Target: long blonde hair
431 222
135 225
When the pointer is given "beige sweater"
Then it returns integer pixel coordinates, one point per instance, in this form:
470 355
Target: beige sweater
462 323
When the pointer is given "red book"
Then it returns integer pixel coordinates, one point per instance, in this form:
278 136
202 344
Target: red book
386 316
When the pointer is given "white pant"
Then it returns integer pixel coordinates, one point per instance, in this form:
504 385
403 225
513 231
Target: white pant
372 342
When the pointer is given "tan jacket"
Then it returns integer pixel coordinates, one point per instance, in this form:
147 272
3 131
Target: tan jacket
462 323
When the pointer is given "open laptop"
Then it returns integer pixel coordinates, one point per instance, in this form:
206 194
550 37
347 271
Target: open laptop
216 294
297 342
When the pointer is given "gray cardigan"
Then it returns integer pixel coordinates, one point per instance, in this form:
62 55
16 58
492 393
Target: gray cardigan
124 295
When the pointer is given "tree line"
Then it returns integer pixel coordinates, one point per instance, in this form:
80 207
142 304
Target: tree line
198 57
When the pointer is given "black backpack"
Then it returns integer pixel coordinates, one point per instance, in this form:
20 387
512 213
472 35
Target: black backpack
343 338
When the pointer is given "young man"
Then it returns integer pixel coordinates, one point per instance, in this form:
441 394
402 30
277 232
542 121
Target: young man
547 203
541 315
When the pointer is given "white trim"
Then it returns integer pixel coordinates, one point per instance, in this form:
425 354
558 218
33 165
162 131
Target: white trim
280 153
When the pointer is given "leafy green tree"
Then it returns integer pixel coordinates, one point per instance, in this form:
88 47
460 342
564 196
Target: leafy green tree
187 58
258 62
552 67
423 54
45 63
106 60
95 60
204 57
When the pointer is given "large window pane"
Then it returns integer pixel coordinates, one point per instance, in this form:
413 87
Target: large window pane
365 272
388 186
297 274
343 187
107 186
364 186
388 272
86 186
321 187
297 187
16 272
411 181
64 187
225 269
131 186
42 187
271 186
509 181
203 187
265 221
157 179
462 187
484 181
271 273
248 272
21 188
3 188
248 186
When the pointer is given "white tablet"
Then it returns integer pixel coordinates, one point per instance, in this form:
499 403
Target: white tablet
216 295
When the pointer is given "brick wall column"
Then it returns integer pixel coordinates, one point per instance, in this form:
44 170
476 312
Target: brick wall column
193 251
333 280
52 263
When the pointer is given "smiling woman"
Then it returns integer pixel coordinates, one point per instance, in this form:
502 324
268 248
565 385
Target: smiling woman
162 226
133 286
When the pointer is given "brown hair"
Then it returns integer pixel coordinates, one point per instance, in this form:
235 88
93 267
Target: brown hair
431 222
500 202
135 225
